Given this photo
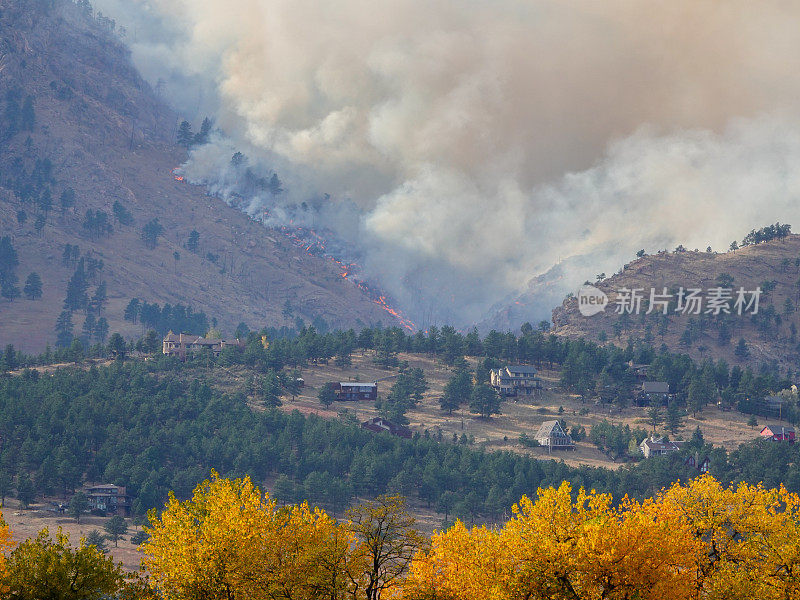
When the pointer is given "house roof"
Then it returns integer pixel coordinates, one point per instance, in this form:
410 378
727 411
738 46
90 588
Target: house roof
379 424
526 369
660 444
776 429
187 338
547 428
358 384
655 387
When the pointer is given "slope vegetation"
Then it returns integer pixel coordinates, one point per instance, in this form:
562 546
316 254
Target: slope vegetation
77 116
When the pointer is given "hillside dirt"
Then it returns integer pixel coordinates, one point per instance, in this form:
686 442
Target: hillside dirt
770 336
111 139
500 432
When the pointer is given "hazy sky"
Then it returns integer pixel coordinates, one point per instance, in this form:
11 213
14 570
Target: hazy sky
483 141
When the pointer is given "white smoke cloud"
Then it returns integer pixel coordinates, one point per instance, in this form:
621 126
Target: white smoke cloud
484 140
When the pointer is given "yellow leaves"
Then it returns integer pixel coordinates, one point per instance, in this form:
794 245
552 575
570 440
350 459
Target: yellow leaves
229 541
695 540
43 567
5 545
699 540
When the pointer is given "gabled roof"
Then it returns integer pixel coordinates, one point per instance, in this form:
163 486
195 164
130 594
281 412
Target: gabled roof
525 369
655 387
379 424
776 429
547 428
660 444
358 384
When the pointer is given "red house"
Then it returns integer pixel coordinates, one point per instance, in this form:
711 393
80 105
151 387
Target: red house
778 433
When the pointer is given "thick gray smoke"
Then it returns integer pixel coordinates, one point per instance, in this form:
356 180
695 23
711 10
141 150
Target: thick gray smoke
483 141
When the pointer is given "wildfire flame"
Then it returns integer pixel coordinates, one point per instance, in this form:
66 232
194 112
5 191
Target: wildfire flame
314 245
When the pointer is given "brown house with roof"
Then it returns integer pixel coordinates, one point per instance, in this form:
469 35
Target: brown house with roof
110 499
184 343
513 380
349 390
654 391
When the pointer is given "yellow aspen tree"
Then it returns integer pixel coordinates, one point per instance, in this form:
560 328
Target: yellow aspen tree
461 564
45 567
5 545
231 542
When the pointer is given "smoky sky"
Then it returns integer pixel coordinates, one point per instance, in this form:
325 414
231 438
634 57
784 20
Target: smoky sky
481 142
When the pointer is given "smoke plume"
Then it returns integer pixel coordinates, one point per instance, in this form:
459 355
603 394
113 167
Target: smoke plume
481 142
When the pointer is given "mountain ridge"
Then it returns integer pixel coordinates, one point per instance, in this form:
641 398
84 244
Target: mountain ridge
109 137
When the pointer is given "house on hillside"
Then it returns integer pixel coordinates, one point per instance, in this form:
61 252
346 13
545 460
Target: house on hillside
347 390
552 435
183 343
110 499
702 464
513 380
658 447
654 391
381 425
778 433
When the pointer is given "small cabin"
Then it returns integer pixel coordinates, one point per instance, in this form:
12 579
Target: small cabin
552 435
356 391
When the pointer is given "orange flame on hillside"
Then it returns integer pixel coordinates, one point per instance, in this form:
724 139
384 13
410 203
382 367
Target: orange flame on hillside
316 248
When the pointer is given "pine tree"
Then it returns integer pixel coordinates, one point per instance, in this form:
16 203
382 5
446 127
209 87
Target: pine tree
457 391
132 310
64 329
742 351
8 257
101 330
100 297
674 418
77 287
150 233
275 187
185 136
67 199
484 400
33 286
8 287
205 131
193 242
88 328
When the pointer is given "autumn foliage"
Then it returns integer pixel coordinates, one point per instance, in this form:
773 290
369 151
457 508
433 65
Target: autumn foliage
231 542
695 541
